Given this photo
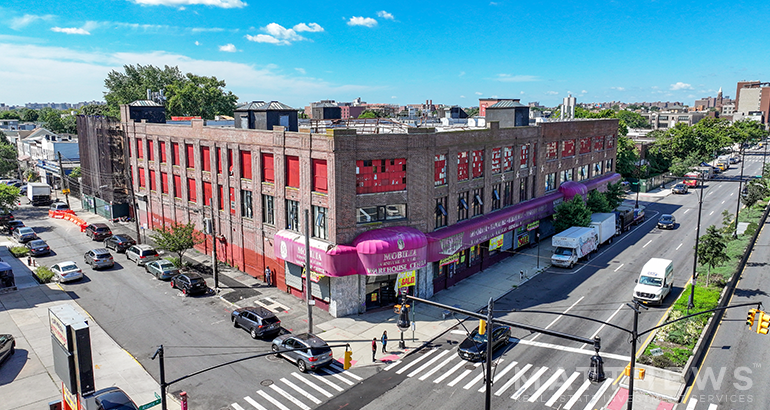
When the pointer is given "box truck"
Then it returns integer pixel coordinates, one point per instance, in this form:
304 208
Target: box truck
605 227
572 245
38 193
655 281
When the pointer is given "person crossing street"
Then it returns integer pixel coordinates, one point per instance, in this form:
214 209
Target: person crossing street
374 349
384 341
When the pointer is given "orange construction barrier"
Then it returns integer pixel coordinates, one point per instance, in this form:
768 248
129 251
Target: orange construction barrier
58 215
83 227
50 213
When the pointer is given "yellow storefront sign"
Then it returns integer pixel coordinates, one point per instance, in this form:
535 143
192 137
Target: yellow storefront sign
406 279
496 242
449 260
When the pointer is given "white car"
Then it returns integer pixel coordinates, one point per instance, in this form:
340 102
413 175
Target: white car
66 271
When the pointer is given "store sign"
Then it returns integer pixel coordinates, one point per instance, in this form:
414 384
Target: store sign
406 279
314 276
58 330
533 225
496 242
449 260
452 244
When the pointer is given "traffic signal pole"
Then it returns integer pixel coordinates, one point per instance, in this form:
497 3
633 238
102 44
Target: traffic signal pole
488 364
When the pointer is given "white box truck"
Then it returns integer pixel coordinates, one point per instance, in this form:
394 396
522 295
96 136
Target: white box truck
572 245
38 193
605 227
655 281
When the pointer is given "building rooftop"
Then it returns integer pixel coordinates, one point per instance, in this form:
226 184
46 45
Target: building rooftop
145 103
507 104
263 106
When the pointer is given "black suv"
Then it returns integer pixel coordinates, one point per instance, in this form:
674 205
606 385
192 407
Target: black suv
5 217
119 242
98 232
189 283
258 321
13 224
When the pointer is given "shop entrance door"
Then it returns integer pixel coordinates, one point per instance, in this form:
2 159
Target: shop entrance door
380 291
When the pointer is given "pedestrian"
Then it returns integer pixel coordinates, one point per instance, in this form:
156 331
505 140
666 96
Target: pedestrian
384 341
267 276
374 349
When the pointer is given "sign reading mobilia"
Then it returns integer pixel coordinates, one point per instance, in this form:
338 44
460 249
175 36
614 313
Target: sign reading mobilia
394 262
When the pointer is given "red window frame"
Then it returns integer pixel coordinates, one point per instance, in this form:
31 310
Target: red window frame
206 158
551 150
268 168
190 157
246 165
439 170
192 190
141 177
598 143
177 186
206 193
292 171
585 145
462 166
232 200
153 183
524 156
221 190
162 147
163 183
150 150
320 179
568 148
139 148
477 164
508 158
219 160
610 141
497 160
175 153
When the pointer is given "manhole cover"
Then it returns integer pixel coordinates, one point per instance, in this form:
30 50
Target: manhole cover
470 366
266 382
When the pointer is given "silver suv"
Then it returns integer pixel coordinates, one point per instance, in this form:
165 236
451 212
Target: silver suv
99 258
142 254
312 352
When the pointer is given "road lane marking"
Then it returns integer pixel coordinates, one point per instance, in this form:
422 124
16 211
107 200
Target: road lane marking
332 385
513 380
692 403
723 201
645 245
712 213
449 373
478 378
618 268
430 362
578 394
289 397
562 389
313 385
680 245
686 211
337 375
498 376
436 368
415 361
559 317
237 406
596 333
336 366
546 385
301 391
570 349
598 394
392 365
712 406
535 377
462 376
272 400
253 403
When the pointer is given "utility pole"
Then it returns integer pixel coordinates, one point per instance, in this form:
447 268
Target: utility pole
634 335
308 295
490 338
691 301
159 354
738 205
61 172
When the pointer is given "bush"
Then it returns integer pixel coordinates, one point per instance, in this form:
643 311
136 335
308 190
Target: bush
19 251
44 274
176 261
751 229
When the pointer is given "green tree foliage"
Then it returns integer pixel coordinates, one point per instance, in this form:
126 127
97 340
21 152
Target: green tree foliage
368 114
9 197
679 166
94 109
627 157
9 161
177 239
632 119
29 115
472 112
597 202
51 119
747 131
9 115
712 250
132 85
755 190
31 176
571 213
615 194
75 173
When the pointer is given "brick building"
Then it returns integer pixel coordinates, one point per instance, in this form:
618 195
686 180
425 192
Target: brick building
420 208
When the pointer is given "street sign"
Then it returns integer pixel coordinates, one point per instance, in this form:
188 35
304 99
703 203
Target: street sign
65 191
149 405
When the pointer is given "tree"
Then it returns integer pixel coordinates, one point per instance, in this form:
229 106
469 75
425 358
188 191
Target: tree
632 119
125 88
197 95
31 176
368 114
472 112
177 239
712 250
51 119
598 203
9 161
9 197
571 213
94 109
9 115
627 157
727 221
29 115
755 191
615 194
75 173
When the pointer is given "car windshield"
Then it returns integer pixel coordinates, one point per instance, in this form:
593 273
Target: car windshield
476 337
102 255
318 351
26 230
105 229
650 281
563 251
679 186
666 218
196 280
167 265
271 320
38 242
66 268
150 252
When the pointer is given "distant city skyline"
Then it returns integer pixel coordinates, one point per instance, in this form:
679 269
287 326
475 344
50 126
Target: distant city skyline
393 53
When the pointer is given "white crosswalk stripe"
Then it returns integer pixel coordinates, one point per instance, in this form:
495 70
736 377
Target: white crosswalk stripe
529 382
545 385
449 373
338 367
272 400
300 391
338 376
328 382
498 375
237 406
598 395
575 397
289 397
437 368
414 362
562 389
478 377
254 403
462 375
512 380
313 385
691 405
426 365
712 406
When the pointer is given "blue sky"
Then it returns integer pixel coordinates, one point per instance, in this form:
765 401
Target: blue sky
390 52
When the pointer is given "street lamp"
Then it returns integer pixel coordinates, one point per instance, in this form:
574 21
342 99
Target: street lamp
691 301
740 182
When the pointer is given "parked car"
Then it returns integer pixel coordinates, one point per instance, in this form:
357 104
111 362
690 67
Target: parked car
24 234
110 398
12 225
735 159
474 347
5 217
99 258
59 206
38 247
141 254
679 189
98 231
7 347
189 283
23 190
161 269
667 221
119 242
256 320
66 271
314 353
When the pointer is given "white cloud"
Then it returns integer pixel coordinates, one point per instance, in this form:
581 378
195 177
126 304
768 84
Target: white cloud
70 30
230 48
618 88
301 71
225 4
278 34
312 28
479 93
27 19
583 92
206 30
264 38
552 92
362 21
522 92
462 96
197 43
508 78
680 86
384 14
393 97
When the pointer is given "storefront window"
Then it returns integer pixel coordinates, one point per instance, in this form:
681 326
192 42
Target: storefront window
566 175
583 173
474 255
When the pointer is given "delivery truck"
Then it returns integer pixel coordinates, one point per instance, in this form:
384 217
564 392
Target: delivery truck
605 227
38 193
655 281
572 245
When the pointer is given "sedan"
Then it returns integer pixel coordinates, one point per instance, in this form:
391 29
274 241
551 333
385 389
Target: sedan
667 221
110 398
189 283
24 235
679 189
161 269
311 352
7 347
119 242
66 271
38 247
474 347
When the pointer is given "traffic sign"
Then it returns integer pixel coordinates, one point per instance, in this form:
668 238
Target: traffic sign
65 191
149 405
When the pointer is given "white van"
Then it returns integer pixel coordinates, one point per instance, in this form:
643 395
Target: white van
655 281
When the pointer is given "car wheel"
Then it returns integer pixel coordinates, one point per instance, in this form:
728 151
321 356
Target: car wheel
172 285
275 350
235 322
13 349
157 276
302 366
253 333
184 291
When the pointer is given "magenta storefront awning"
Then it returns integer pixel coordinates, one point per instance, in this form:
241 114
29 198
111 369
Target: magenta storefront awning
389 251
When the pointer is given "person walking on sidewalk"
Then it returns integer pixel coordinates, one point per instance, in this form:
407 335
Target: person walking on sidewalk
384 341
267 276
374 349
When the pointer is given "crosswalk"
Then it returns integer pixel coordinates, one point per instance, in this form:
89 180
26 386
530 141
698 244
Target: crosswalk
692 404
301 391
524 382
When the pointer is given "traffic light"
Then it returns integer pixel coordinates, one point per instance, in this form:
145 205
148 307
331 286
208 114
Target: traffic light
482 326
348 360
764 323
750 317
